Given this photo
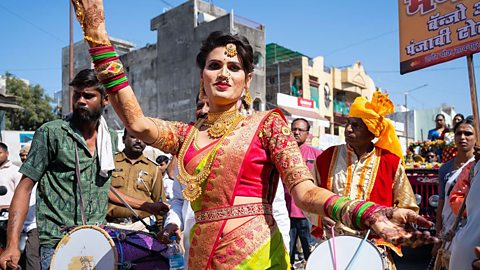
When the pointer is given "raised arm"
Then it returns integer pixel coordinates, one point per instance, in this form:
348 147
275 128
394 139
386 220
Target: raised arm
90 15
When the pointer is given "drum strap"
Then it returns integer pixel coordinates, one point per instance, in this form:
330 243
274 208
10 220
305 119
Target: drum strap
79 186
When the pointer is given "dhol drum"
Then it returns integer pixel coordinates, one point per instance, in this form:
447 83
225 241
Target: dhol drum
346 253
91 247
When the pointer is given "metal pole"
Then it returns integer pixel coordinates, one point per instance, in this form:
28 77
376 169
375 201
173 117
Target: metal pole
473 93
406 123
71 62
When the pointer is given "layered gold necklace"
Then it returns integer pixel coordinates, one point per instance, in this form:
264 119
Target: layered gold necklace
218 123
193 183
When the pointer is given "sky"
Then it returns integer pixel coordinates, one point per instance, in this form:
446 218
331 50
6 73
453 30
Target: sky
343 32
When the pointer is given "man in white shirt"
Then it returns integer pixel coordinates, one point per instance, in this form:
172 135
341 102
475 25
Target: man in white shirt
9 178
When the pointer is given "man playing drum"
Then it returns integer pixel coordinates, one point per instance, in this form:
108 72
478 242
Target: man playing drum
58 147
363 170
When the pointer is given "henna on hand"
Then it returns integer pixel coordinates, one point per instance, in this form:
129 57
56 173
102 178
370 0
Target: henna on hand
93 18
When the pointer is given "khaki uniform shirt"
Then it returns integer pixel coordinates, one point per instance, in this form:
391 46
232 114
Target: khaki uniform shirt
141 180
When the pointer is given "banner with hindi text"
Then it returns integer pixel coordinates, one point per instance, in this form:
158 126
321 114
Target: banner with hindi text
437 31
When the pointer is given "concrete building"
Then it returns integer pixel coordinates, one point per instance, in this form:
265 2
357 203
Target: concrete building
421 121
164 75
305 87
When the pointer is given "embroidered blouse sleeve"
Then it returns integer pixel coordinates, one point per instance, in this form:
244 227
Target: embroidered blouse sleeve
171 135
403 194
277 138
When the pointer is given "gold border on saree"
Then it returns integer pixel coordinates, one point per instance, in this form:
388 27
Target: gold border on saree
235 211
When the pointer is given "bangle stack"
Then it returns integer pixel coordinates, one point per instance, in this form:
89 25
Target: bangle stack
108 68
353 213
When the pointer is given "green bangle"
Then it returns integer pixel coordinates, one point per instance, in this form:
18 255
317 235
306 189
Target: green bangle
336 207
115 82
104 55
360 212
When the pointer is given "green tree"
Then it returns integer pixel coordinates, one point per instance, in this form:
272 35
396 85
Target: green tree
36 105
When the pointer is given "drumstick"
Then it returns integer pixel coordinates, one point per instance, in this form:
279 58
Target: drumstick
334 248
130 208
350 264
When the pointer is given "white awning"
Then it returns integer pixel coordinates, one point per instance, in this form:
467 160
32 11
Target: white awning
301 107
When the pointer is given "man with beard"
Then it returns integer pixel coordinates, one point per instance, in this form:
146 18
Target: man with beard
299 224
139 178
364 170
64 198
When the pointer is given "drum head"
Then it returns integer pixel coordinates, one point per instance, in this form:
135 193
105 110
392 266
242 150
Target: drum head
85 247
368 256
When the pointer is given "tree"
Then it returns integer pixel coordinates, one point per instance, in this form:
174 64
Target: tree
36 105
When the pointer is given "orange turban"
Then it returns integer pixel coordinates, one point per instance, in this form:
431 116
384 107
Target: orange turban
373 115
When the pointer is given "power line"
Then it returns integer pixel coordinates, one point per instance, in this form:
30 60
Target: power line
361 42
34 25
166 3
430 69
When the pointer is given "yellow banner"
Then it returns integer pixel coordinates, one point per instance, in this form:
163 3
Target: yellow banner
436 31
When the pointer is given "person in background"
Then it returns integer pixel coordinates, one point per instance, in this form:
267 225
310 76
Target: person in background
464 249
364 170
431 157
9 178
449 174
139 178
163 164
299 224
24 152
440 128
449 149
32 246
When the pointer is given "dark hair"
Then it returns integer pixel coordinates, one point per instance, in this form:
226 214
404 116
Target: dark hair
440 114
161 159
459 115
468 121
219 39
87 78
4 146
302 119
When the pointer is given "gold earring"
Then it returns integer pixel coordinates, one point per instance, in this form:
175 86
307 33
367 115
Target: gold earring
247 98
201 93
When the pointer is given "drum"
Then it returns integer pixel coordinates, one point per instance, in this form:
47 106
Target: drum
91 247
341 250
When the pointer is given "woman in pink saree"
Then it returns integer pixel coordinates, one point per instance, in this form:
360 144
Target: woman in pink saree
229 163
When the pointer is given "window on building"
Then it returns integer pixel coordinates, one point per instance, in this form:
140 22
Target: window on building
314 94
326 96
258 60
296 88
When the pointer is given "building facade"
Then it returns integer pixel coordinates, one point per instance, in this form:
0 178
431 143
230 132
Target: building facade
305 87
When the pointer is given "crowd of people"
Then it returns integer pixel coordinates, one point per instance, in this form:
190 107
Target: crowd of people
241 189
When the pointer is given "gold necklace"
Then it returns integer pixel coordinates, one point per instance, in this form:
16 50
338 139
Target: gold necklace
218 123
193 183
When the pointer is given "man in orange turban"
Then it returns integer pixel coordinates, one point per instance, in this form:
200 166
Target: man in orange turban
364 170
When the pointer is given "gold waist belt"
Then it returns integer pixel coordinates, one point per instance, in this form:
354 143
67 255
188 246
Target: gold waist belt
235 211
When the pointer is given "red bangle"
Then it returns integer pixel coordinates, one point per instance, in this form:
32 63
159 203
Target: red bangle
117 87
327 202
100 49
